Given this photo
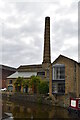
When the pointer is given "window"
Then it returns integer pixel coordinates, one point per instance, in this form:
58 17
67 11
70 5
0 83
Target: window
40 73
62 73
61 87
58 79
54 88
58 72
58 87
79 103
10 81
10 88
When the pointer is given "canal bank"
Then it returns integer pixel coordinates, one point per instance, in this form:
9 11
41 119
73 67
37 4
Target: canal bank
38 98
26 106
22 110
26 110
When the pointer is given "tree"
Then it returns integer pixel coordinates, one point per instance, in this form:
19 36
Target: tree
35 80
37 85
25 83
43 87
18 83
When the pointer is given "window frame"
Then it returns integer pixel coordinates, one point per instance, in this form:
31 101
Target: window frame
57 73
10 81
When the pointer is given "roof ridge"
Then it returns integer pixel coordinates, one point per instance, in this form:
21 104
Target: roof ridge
66 58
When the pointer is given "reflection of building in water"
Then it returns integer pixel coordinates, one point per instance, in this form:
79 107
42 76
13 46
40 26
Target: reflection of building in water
20 110
58 112
0 107
26 111
8 107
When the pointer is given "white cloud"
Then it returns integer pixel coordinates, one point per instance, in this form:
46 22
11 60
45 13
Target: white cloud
23 30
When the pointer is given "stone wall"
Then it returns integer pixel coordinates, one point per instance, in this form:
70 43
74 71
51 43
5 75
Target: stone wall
62 100
40 99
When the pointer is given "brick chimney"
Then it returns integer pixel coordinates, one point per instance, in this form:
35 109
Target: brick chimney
47 54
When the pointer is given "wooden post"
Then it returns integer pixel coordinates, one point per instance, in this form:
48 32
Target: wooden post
50 80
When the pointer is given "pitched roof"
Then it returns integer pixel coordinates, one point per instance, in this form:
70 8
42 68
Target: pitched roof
7 67
34 68
62 56
22 74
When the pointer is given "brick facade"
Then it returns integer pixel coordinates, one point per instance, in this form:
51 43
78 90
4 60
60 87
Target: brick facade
12 84
72 78
47 55
5 71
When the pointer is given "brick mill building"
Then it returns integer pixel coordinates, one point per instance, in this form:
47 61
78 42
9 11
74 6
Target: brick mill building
63 74
41 70
64 80
5 71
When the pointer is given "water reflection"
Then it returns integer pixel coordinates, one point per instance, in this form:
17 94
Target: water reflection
0 109
31 110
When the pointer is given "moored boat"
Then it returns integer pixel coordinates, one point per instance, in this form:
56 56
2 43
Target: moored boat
74 106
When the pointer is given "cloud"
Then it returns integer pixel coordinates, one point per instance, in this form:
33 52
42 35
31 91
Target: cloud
23 30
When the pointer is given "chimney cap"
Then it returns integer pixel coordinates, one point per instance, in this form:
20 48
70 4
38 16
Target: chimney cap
47 17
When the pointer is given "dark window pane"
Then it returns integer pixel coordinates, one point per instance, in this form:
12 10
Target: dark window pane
41 73
10 81
61 87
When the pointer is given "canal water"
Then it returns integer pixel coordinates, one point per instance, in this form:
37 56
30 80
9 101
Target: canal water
17 110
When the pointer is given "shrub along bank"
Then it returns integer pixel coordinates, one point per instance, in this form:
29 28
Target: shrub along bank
38 85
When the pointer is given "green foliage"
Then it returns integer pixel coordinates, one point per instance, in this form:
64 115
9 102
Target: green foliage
18 83
35 80
43 87
25 83
38 85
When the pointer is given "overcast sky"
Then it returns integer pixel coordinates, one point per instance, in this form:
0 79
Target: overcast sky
22 30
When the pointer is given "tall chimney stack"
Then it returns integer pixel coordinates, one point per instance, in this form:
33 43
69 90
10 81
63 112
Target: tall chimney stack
47 54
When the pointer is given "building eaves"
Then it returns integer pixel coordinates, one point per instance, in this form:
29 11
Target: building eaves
7 68
34 68
22 74
62 56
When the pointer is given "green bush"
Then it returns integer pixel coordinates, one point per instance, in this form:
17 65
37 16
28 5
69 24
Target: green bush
43 87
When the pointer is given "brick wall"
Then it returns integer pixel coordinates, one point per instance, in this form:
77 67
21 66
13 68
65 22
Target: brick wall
5 71
72 79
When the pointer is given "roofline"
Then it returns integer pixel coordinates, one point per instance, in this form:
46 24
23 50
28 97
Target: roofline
17 77
7 67
66 58
11 76
29 65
